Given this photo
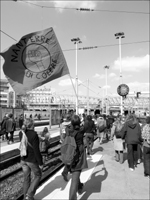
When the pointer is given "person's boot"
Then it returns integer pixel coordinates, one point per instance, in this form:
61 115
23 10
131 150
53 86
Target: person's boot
65 177
80 188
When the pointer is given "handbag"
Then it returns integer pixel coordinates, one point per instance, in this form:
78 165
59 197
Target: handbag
118 128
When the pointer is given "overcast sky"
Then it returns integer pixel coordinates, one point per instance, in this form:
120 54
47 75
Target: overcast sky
94 28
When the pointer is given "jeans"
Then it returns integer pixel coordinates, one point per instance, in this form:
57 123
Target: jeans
29 188
146 160
75 185
89 141
11 138
132 150
139 152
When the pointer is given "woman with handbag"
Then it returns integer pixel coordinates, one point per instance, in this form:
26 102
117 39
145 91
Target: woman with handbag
146 147
118 142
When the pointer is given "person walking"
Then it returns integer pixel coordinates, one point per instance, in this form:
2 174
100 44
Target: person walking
146 147
118 142
32 163
90 130
101 126
44 139
10 128
21 120
3 126
132 133
80 160
65 123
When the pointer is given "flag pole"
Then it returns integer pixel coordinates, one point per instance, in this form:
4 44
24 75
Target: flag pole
72 85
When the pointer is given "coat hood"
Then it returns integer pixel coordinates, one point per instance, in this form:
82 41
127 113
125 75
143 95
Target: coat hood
132 124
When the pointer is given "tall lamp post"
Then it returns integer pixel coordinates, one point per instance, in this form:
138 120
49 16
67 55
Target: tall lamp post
119 36
106 68
76 42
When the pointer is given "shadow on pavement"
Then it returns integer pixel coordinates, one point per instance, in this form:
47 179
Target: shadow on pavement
97 149
94 184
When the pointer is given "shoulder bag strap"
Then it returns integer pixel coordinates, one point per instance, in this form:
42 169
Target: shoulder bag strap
27 139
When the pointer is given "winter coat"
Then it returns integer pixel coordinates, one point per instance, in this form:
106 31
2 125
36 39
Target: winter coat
10 125
3 123
33 151
131 132
89 126
80 159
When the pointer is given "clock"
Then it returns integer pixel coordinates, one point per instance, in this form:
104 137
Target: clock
123 90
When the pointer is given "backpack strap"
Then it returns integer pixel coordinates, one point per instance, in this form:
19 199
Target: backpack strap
27 139
30 144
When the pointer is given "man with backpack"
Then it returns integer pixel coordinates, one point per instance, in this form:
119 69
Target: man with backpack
66 123
77 161
32 161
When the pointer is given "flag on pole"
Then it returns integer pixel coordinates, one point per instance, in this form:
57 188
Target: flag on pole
35 60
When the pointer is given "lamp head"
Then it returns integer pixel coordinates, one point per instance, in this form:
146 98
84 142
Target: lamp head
120 34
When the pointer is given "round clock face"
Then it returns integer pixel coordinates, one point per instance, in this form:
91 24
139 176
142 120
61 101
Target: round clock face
123 90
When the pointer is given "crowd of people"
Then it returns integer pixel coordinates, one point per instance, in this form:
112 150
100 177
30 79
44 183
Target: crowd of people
126 133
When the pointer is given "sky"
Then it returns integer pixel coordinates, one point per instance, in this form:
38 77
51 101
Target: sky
94 28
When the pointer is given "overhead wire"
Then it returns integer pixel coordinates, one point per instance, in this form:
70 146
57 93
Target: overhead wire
8 35
87 48
95 84
87 9
88 88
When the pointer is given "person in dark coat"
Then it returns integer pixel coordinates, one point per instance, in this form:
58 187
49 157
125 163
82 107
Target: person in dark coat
32 163
3 126
80 160
90 130
21 120
132 134
10 128
66 122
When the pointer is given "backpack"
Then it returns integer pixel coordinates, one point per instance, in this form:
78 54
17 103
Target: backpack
68 148
101 125
118 129
23 145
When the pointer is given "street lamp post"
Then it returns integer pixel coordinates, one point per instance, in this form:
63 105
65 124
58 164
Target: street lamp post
88 96
119 36
76 42
106 68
